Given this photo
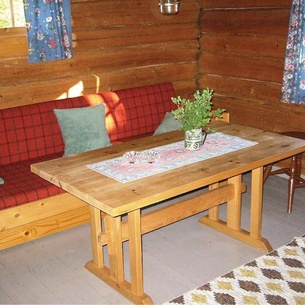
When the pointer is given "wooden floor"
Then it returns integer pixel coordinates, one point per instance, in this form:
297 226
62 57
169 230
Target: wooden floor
177 258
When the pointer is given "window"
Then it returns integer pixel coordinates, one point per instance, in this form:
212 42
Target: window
11 13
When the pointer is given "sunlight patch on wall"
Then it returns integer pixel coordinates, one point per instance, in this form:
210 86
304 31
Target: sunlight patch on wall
98 83
76 90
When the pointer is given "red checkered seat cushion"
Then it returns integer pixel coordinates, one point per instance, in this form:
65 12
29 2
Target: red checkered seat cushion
21 185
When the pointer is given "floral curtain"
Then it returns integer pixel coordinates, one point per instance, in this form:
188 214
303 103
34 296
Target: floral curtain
293 90
48 24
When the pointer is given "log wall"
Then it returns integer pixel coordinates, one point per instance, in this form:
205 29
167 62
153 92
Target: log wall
242 58
235 47
118 44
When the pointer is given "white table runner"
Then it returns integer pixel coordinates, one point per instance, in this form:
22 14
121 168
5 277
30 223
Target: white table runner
172 156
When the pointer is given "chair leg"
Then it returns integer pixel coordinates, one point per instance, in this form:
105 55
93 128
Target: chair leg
290 194
267 171
299 165
294 171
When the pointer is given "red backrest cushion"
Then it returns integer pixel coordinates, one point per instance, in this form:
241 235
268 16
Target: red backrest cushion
32 131
137 111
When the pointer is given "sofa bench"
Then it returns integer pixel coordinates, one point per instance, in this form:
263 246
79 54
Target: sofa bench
31 207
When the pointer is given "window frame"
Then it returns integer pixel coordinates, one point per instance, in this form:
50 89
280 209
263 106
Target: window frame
12 18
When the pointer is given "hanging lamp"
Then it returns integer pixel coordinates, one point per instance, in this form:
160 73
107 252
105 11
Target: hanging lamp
169 7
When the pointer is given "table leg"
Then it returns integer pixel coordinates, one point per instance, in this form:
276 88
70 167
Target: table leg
234 205
115 247
135 252
257 210
115 274
232 226
96 228
214 212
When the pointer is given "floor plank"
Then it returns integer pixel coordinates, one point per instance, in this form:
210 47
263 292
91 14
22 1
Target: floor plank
177 258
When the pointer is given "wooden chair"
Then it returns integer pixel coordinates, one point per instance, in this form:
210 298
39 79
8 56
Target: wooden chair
294 171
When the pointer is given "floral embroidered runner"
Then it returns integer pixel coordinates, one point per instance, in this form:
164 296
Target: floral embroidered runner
173 156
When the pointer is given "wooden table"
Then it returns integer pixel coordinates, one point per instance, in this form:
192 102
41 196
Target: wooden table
110 200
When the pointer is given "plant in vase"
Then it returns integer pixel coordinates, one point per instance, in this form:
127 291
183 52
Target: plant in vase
194 116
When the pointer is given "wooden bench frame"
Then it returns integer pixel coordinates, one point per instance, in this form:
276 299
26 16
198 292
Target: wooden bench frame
41 218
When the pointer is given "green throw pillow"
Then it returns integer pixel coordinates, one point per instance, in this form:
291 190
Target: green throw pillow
169 123
83 129
1 181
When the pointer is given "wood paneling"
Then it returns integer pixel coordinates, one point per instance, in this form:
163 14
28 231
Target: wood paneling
255 44
254 21
103 80
238 88
242 57
244 67
226 4
118 44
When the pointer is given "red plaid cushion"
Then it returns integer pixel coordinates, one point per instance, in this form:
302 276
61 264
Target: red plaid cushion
32 131
137 111
21 185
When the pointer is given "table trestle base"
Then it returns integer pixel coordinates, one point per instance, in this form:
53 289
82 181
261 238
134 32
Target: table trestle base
233 225
123 287
242 235
116 231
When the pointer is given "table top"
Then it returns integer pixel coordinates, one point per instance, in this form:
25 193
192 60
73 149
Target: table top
114 198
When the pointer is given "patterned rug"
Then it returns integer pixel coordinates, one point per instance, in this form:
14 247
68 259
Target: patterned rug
276 278
172 156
